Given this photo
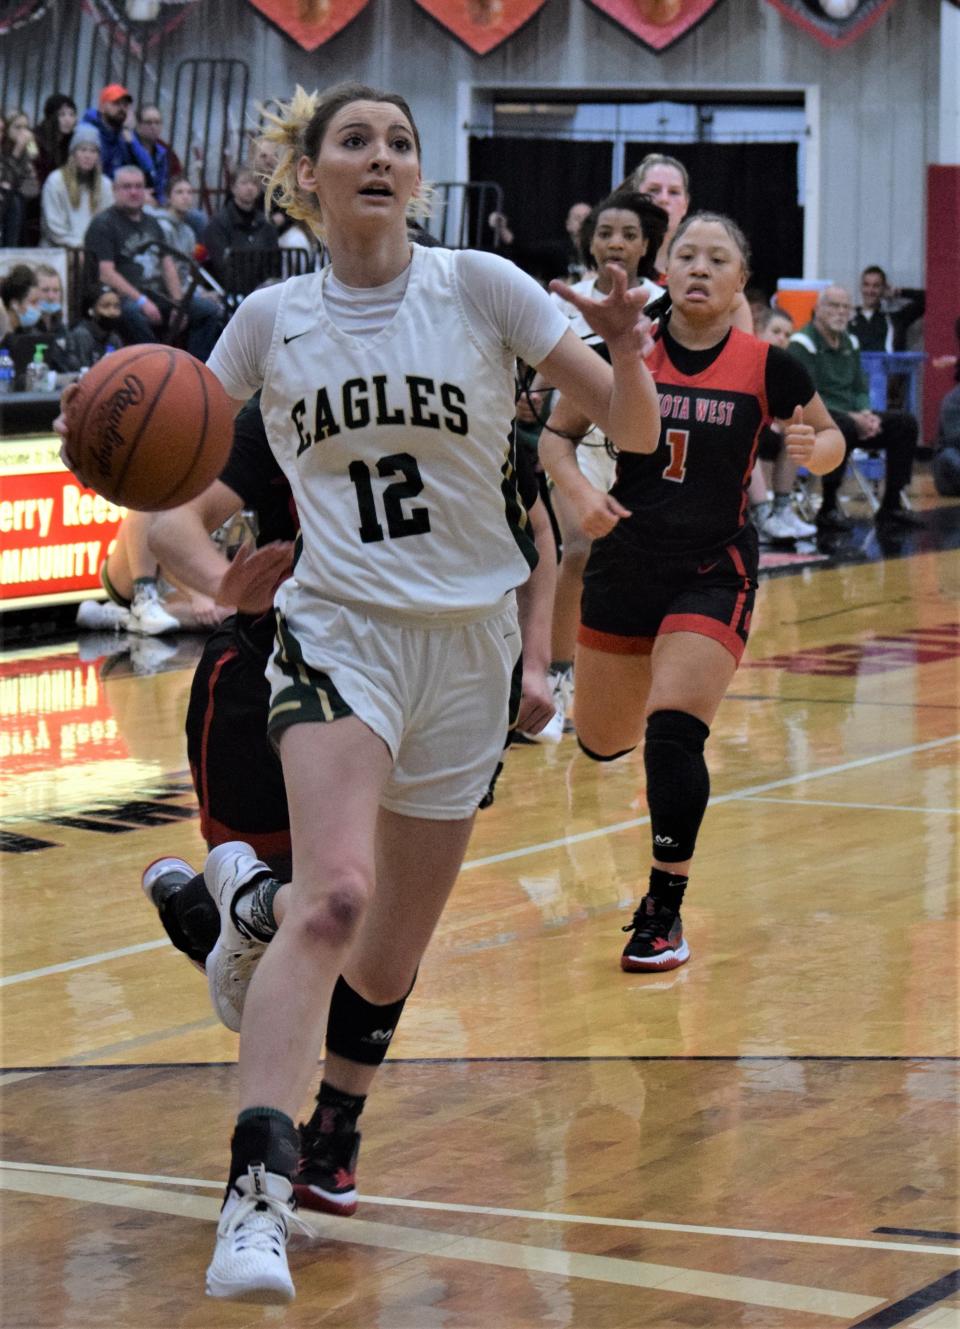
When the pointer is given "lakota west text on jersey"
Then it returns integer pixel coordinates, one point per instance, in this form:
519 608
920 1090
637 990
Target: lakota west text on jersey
711 411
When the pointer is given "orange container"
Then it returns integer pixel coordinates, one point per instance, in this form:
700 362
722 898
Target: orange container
797 296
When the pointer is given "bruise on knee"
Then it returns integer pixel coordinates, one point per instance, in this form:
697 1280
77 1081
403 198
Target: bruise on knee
334 920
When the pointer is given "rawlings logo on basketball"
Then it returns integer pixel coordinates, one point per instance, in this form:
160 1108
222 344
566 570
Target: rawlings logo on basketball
110 436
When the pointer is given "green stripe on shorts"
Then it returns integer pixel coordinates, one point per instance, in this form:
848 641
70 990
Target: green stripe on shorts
309 697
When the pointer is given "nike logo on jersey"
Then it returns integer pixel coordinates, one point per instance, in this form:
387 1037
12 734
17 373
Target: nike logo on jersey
296 335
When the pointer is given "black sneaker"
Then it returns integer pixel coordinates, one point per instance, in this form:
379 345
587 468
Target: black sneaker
657 943
898 519
832 519
327 1176
162 882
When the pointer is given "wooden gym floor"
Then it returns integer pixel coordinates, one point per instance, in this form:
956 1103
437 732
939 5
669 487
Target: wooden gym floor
765 1137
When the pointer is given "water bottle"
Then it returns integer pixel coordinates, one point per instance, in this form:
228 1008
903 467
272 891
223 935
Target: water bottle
6 372
37 371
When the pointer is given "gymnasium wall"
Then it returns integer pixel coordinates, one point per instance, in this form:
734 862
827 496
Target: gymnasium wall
878 96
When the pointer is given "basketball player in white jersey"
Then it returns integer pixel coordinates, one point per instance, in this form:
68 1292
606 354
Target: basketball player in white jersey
387 394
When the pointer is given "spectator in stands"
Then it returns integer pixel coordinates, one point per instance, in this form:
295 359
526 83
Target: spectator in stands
54 132
109 119
51 301
946 448
758 303
20 293
97 333
73 195
237 229
832 357
125 240
180 235
152 155
879 329
18 175
776 519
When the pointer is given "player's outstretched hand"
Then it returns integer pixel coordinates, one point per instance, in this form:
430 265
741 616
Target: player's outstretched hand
800 439
250 582
597 512
618 318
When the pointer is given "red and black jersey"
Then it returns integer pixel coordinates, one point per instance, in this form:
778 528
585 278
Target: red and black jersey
690 495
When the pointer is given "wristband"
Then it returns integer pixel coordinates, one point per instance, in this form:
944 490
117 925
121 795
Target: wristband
141 301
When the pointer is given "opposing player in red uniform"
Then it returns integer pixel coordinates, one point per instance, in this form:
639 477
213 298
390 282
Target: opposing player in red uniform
670 584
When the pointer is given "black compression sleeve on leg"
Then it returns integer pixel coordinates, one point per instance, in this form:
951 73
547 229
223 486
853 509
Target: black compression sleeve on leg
678 784
358 1030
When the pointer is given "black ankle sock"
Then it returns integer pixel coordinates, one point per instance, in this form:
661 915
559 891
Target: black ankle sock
264 1135
346 1106
667 888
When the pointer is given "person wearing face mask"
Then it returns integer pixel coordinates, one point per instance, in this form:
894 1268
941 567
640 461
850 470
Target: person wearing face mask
73 195
97 332
20 294
51 301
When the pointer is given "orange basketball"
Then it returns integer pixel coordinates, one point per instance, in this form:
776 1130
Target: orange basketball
149 427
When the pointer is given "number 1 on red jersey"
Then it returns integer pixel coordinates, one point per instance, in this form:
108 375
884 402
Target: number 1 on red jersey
677 440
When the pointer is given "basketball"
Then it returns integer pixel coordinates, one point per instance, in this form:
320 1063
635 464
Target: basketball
149 427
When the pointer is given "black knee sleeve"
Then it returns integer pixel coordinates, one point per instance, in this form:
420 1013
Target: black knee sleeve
598 756
678 785
359 1031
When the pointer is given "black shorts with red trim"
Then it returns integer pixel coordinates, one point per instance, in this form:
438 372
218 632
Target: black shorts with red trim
236 771
631 597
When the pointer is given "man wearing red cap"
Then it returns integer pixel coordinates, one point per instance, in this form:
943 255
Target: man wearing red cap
109 118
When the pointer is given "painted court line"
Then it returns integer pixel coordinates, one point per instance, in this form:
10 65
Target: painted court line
736 795
528 1215
833 803
436 1245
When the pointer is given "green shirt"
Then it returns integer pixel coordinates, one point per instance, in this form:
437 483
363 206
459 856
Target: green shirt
836 371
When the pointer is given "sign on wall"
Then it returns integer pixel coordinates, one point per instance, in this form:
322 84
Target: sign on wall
310 22
656 23
54 535
482 24
835 23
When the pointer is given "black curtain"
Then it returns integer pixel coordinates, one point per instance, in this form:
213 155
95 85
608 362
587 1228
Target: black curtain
756 185
540 179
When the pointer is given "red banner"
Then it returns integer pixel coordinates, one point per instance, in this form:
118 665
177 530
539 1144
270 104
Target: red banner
656 23
482 24
835 23
310 23
53 534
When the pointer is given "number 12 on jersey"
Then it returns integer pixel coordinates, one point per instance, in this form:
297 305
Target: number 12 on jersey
677 440
399 523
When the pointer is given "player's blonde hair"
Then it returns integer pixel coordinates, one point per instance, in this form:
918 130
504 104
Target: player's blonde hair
636 177
297 128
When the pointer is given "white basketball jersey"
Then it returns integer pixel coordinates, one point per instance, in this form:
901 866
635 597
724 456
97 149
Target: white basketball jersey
397 449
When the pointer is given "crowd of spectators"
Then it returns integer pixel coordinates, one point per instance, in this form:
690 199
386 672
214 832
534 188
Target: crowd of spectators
149 263
107 184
